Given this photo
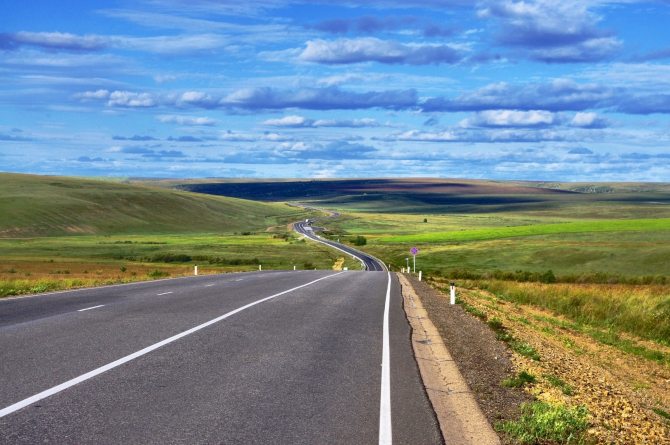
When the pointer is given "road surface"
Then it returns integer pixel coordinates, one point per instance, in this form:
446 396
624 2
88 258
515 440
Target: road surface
305 228
255 358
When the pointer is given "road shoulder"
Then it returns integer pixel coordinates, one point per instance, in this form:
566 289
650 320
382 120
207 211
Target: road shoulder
461 420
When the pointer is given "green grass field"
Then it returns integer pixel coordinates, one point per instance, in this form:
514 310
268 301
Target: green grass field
58 233
631 225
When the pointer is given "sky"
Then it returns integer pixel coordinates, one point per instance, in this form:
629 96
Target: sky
548 90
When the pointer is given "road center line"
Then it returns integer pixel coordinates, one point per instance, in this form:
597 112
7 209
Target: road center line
164 293
89 308
209 285
63 386
385 430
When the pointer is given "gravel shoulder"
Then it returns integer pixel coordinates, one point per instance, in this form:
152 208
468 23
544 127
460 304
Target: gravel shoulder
482 360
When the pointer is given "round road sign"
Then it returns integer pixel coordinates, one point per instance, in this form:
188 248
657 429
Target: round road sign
414 251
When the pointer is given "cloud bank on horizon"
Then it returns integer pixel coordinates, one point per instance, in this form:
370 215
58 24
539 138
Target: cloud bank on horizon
510 89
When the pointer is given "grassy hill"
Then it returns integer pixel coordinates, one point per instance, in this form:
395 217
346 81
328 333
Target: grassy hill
54 206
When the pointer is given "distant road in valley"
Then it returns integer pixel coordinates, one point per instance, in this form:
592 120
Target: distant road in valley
305 228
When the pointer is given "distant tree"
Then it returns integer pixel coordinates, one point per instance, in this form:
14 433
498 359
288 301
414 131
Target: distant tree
360 241
425 220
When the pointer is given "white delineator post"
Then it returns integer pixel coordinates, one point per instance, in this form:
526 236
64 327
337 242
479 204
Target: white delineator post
195 270
293 267
260 267
453 293
419 275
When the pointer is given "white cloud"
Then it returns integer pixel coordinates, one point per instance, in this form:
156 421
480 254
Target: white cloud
511 118
370 49
590 120
290 121
92 95
130 99
187 120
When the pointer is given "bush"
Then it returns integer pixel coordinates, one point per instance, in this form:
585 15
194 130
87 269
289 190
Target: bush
157 273
359 241
308 265
170 258
519 380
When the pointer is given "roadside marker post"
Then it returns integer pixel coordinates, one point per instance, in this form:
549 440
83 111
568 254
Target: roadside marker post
453 293
414 251
196 270
294 267
260 267
419 275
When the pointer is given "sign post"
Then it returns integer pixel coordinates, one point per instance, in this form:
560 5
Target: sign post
414 251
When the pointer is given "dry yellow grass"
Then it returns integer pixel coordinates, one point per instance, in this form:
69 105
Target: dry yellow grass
643 311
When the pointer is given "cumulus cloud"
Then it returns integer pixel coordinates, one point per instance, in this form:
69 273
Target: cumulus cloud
92 95
491 136
559 95
336 150
370 49
590 120
184 139
553 31
290 121
330 98
375 25
301 122
580 151
511 118
131 100
134 138
644 103
165 154
187 120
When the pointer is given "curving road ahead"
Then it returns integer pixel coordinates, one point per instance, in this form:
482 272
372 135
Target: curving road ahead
305 228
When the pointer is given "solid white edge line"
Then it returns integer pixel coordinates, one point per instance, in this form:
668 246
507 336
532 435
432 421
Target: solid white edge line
63 386
89 308
164 293
385 430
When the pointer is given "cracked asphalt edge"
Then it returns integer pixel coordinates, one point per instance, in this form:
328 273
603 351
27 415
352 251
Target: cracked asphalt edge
461 420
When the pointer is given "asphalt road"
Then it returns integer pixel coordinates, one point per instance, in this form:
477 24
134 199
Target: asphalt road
266 357
305 228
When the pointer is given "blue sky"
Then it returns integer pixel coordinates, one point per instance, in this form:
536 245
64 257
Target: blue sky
560 90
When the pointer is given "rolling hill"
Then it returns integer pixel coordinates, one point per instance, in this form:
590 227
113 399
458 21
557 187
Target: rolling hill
32 206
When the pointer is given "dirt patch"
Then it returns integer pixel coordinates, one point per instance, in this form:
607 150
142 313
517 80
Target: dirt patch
483 361
338 264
